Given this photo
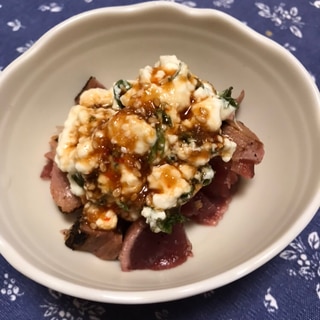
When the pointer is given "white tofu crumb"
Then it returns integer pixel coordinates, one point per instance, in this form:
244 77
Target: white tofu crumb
96 97
169 185
108 222
131 132
152 216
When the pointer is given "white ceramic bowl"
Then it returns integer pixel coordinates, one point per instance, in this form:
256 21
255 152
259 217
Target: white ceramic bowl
281 106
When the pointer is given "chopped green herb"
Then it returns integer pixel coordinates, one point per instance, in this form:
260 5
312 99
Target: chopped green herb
207 175
199 84
171 158
78 179
206 182
175 74
168 223
164 118
187 195
122 205
185 137
120 88
102 201
158 148
226 95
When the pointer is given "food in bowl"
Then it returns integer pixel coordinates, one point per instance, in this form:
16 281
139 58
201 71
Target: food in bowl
141 159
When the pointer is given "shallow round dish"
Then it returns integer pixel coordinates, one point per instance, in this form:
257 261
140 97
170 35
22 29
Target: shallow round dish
281 106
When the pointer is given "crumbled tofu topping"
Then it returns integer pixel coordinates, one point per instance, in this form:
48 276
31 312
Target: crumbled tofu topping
142 147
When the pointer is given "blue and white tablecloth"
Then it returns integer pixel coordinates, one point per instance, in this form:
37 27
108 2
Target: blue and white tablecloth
288 287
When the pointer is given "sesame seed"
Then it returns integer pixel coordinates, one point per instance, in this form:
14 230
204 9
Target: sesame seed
93 226
103 167
116 192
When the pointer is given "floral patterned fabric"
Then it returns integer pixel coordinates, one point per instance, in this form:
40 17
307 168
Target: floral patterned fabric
287 287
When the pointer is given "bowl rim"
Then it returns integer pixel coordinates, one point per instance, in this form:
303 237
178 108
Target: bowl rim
159 295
